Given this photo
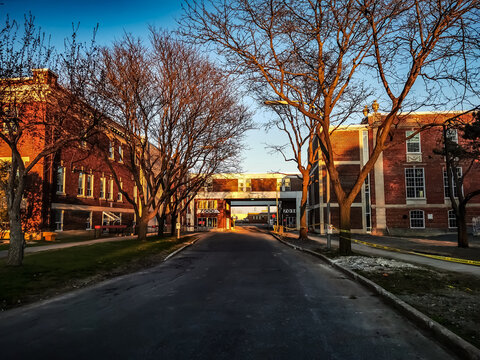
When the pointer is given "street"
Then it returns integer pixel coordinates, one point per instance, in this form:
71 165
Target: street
237 295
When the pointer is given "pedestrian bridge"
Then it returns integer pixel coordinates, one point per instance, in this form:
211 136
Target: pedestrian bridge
213 204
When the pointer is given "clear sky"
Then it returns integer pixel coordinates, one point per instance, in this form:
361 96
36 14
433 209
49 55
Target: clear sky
55 17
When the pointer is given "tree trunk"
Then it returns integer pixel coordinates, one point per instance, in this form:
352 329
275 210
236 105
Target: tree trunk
17 241
142 227
173 221
161 225
462 227
303 209
345 240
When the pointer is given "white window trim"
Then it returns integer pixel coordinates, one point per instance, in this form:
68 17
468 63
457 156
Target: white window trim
407 134
103 181
61 221
90 221
453 180
111 150
63 180
424 185
455 138
410 219
120 153
448 219
83 184
91 186
119 194
110 192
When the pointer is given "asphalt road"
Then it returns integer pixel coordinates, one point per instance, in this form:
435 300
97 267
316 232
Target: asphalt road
229 296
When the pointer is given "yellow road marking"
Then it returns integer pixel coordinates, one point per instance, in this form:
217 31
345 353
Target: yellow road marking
438 257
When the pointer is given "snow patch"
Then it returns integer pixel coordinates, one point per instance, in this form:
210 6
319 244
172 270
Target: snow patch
372 264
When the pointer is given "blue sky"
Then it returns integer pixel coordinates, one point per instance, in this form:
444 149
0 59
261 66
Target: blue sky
56 17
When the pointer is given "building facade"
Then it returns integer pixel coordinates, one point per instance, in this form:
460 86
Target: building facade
211 207
407 190
73 190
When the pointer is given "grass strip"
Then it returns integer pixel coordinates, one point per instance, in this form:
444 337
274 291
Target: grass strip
52 272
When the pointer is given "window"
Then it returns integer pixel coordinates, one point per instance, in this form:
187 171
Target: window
212 204
417 219
81 184
135 193
59 220
102 187
452 219
248 186
240 185
415 183
413 144
120 195
61 180
89 221
110 190
120 153
452 135
89 181
111 151
286 184
445 183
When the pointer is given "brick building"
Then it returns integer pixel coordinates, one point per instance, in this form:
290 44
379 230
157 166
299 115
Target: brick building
211 207
74 188
407 190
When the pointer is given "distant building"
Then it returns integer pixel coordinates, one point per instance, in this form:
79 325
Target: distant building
212 206
407 190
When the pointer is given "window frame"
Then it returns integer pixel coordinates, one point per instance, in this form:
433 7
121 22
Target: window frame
109 193
103 188
410 142
446 190
62 191
120 153
452 138
61 220
111 150
119 194
89 178
81 184
414 183
449 219
90 221
410 219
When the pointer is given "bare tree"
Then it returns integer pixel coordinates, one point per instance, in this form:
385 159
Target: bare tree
34 108
179 113
460 136
301 132
315 56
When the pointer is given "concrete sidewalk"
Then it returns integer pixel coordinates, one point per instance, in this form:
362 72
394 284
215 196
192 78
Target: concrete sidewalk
35 249
444 247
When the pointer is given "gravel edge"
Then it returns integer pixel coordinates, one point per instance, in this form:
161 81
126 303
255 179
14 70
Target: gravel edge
461 347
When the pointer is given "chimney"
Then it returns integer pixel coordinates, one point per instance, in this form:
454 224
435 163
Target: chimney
45 76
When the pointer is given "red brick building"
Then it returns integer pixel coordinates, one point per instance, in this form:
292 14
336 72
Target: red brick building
212 206
74 187
406 192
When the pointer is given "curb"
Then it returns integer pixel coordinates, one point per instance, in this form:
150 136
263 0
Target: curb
461 347
429 255
180 249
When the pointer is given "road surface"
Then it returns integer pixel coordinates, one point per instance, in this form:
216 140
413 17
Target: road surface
230 296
